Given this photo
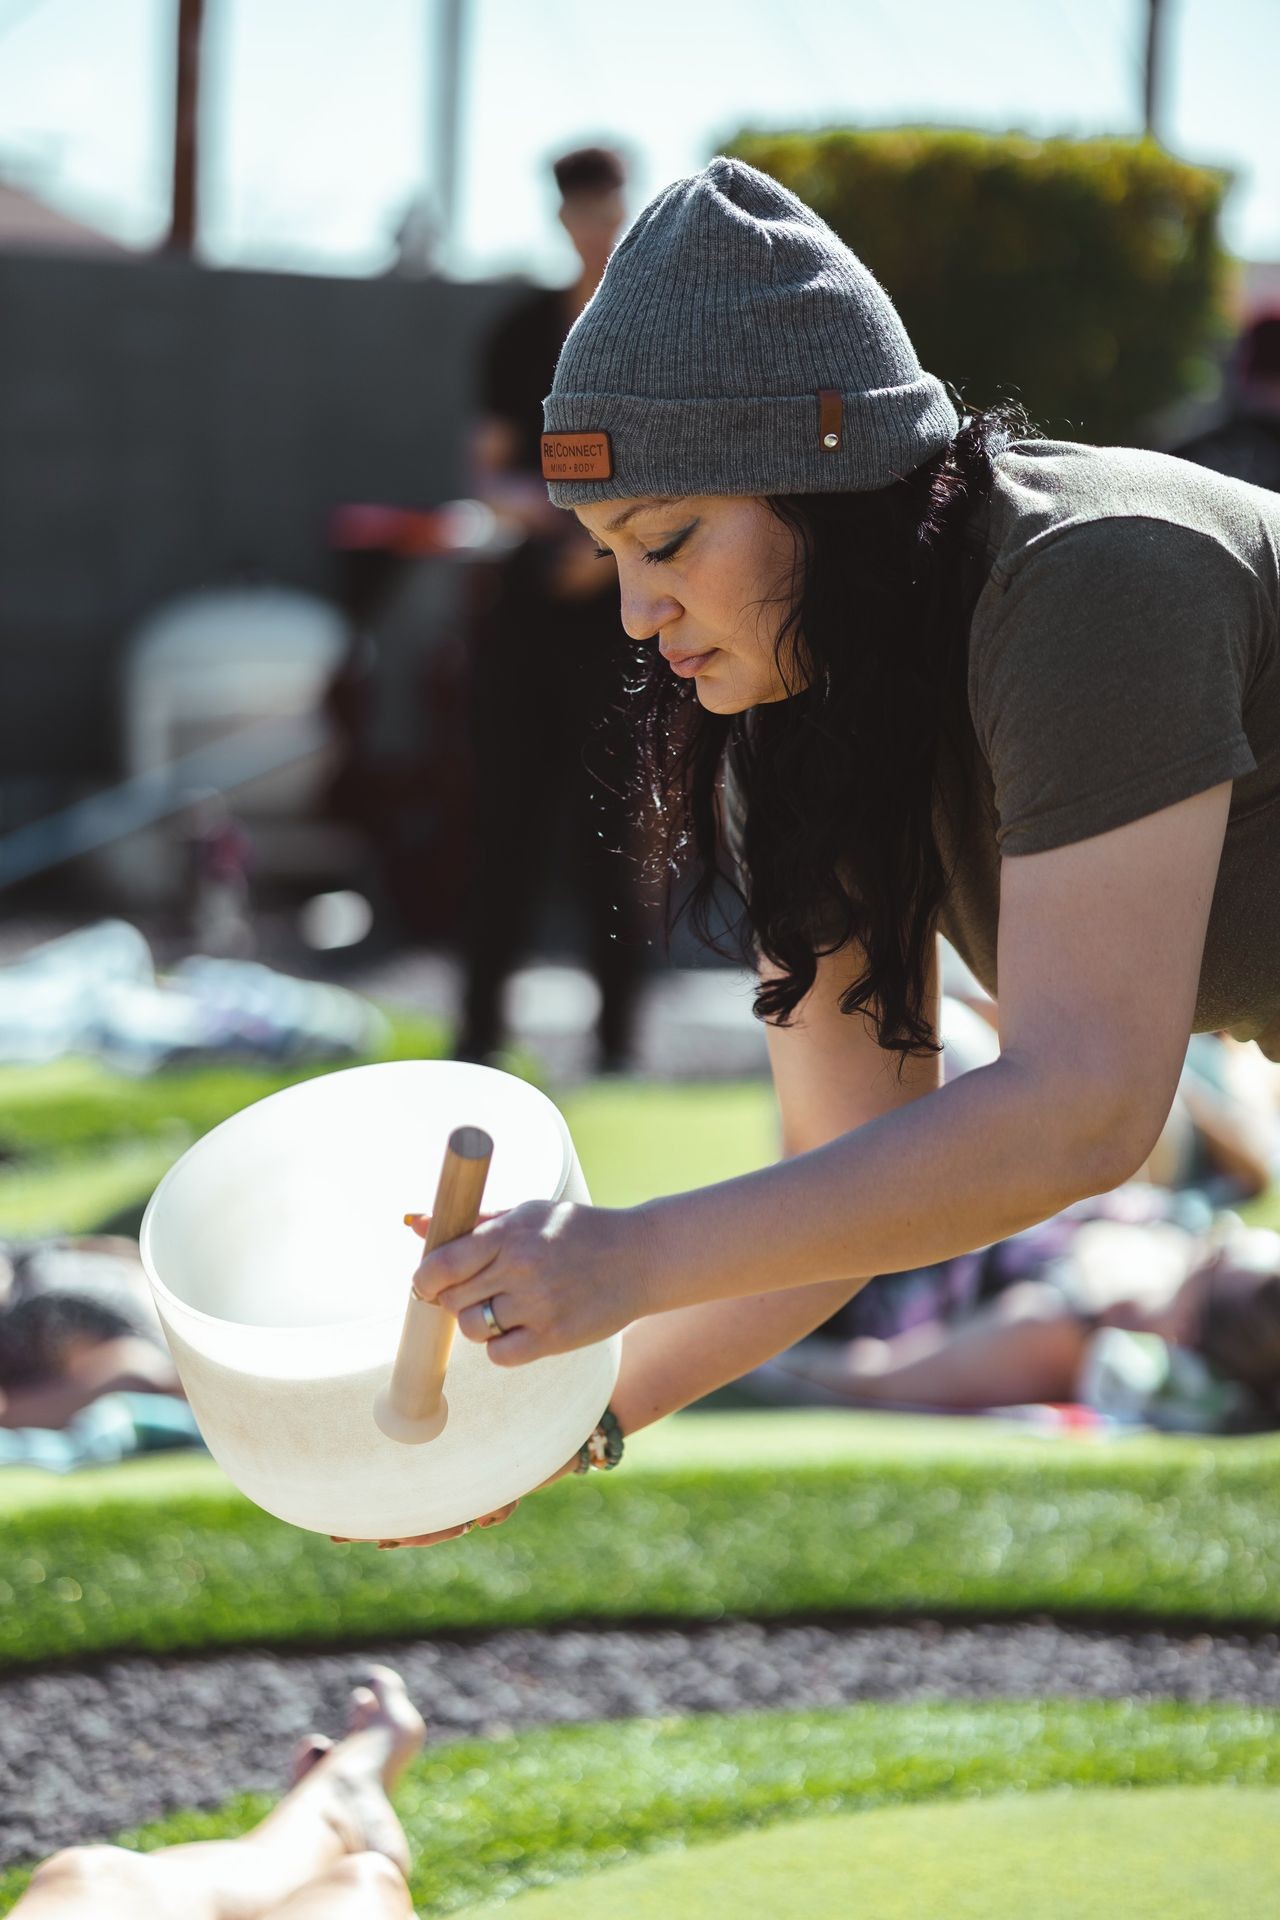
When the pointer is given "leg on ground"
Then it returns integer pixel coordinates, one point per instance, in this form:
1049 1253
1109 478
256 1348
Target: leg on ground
336 1808
1027 1346
364 1886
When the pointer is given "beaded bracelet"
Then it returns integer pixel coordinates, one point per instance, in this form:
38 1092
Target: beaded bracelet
603 1447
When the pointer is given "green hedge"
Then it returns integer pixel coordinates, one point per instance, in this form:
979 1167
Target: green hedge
486 1818
746 1514
1083 276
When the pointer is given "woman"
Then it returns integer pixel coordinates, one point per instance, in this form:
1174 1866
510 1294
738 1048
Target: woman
1021 692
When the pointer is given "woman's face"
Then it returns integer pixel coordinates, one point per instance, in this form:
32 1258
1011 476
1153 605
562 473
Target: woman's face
712 577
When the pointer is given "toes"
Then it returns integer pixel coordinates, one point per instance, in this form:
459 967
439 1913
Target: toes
311 1748
382 1698
364 1708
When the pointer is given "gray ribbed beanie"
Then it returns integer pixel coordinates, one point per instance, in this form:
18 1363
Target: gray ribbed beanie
736 345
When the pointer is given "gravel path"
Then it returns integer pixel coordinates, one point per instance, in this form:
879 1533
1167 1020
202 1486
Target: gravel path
87 1752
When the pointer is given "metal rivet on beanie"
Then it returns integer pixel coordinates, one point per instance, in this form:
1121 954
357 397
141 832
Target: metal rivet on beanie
736 345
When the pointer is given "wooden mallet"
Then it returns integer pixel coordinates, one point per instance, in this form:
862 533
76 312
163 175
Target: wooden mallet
412 1407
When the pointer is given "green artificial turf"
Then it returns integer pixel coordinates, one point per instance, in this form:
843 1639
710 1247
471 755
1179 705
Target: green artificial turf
639 1138
488 1818
1178 1853
82 1146
761 1514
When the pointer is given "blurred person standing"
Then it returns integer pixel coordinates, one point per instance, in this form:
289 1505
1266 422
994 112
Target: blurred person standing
1245 443
548 654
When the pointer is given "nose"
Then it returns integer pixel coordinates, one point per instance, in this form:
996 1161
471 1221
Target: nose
645 611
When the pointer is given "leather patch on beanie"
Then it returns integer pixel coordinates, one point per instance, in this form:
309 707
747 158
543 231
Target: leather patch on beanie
577 456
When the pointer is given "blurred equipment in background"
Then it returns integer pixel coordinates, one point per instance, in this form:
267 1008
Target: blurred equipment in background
219 854
332 921
547 655
205 676
97 992
1245 443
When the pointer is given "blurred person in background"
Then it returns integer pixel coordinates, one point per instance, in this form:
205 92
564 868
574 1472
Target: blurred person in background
1220 1146
548 656
76 1322
1245 444
1215 1296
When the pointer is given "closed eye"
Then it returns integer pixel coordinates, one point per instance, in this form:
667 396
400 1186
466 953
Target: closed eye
659 554
668 552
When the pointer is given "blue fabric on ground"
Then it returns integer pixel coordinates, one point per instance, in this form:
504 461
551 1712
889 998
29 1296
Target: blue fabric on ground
113 1428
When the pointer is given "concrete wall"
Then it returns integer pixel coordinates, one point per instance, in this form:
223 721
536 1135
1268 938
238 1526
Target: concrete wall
164 427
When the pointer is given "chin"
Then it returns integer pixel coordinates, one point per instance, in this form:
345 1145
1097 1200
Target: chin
721 699
733 700
724 692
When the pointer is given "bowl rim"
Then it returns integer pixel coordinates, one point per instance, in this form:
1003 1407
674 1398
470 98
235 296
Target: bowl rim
368 1320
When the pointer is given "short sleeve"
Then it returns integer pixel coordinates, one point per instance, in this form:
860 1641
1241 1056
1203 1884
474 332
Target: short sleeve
1107 680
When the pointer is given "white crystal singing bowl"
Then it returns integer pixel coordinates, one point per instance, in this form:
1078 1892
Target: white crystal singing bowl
280 1262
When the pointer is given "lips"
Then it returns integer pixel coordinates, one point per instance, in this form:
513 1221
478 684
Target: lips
686 663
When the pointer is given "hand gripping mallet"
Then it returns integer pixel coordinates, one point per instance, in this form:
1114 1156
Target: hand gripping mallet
412 1407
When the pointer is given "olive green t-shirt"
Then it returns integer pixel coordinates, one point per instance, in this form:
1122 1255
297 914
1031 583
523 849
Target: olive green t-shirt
1124 654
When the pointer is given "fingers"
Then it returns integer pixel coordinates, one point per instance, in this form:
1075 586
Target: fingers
458 1264
516 1348
471 1290
472 1323
494 1519
421 1222
502 1513
419 1540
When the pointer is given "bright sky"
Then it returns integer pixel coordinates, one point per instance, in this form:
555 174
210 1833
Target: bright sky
317 121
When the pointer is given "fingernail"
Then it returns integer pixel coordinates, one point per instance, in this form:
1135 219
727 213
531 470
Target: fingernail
340 1539
411 1218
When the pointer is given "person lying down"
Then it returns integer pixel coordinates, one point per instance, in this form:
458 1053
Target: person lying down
76 1322
1044 1338
332 1849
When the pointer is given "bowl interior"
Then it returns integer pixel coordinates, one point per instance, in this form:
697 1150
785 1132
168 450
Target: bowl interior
291 1213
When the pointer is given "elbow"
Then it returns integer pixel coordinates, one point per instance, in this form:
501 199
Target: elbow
1104 1143
1083 1132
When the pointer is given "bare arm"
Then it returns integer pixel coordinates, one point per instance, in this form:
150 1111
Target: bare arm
1099 956
1099 959
829 1074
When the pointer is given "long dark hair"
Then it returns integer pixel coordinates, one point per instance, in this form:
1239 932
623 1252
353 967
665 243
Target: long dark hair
835 784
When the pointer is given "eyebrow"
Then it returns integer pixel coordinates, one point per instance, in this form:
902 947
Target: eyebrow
642 506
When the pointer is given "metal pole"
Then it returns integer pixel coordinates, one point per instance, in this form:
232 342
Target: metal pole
1152 73
186 129
448 117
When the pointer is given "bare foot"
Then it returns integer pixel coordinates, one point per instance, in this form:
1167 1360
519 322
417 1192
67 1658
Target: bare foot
384 1732
312 1747
383 1703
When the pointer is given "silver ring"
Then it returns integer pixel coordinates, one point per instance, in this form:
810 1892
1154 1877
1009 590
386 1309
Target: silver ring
490 1318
